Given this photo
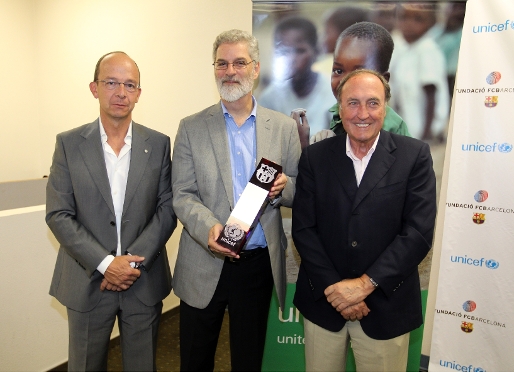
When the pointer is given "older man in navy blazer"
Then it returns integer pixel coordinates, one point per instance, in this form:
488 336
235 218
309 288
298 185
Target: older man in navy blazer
363 219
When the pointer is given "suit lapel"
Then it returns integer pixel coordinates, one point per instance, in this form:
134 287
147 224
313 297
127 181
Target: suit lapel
139 154
215 123
343 166
378 166
92 153
263 135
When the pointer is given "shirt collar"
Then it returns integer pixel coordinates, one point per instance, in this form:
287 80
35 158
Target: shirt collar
254 108
349 151
103 135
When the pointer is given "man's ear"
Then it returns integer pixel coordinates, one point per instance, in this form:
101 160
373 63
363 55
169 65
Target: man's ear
93 87
386 75
256 70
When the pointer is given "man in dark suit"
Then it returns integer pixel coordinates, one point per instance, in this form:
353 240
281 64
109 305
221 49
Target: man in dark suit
109 205
362 222
215 154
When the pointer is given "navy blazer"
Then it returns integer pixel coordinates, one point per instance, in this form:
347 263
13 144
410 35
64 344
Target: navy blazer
383 228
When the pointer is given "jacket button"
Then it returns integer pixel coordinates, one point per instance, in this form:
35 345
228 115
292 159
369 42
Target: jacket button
113 223
354 244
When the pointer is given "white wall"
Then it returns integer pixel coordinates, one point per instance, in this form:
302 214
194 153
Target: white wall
49 51
19 92
50 48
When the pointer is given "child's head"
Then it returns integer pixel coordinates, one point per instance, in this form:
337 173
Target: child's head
337 21
295 46
414 20
363 45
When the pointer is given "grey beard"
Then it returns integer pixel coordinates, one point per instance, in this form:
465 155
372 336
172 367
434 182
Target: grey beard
234 92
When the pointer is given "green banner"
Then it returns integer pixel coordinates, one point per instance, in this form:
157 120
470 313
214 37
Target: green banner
284 350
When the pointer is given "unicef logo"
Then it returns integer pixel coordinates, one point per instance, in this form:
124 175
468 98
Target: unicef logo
492 264
234 231
505 147
481 196
493 77
469 306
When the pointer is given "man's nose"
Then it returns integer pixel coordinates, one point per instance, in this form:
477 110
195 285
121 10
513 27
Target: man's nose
120 90
230 69
362 112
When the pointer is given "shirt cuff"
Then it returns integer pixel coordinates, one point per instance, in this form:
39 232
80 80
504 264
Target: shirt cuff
105 264
275 200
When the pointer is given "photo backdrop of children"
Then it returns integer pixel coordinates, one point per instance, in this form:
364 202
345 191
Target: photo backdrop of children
301 62
297 42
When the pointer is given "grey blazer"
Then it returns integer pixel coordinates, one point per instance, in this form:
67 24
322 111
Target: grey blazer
203 196
80 213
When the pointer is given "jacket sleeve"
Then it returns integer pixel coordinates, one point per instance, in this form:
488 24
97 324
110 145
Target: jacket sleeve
61 215
191 211
412 244
315 260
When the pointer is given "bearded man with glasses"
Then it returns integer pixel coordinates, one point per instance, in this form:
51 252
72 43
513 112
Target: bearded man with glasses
109 205
215 154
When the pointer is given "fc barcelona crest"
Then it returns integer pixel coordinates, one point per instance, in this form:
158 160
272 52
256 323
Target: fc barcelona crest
491 101
467 327
265 173
479 218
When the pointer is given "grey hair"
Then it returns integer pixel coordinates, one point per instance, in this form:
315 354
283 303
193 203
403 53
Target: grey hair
237 36
344 80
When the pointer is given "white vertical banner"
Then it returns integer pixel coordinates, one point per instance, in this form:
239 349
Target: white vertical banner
474 316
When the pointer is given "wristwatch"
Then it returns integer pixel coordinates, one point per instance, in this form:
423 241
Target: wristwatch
375 284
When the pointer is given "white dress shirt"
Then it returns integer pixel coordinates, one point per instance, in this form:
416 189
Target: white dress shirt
360 165
117 171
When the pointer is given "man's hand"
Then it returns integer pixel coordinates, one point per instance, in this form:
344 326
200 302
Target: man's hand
302 124
321 135
348 292
120 274
109 286
278 186
214 233
355 312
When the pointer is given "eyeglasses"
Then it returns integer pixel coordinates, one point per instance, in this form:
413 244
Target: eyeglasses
113 84
238 65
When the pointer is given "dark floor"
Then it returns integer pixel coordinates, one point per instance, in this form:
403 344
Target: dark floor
168 348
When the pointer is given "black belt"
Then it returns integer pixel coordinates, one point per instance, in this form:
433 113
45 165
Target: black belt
246 255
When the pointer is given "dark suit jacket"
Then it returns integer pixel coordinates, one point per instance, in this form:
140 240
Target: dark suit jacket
80 213
383 228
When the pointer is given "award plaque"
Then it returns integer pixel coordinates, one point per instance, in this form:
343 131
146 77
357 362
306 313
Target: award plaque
254 199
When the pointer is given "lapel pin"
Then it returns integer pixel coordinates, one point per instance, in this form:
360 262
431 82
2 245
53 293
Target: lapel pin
146 151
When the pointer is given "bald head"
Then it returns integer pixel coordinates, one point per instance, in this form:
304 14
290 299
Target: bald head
111 55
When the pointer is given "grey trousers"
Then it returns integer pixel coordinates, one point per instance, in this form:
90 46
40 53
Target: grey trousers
90 333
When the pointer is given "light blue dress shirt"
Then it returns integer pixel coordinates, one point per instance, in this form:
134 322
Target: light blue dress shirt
242 144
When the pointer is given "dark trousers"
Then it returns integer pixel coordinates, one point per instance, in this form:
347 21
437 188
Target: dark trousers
90 333
244 287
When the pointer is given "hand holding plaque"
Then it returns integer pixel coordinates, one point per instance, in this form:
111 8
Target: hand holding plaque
254 199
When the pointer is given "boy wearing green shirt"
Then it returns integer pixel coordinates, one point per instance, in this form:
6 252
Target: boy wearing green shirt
362 45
